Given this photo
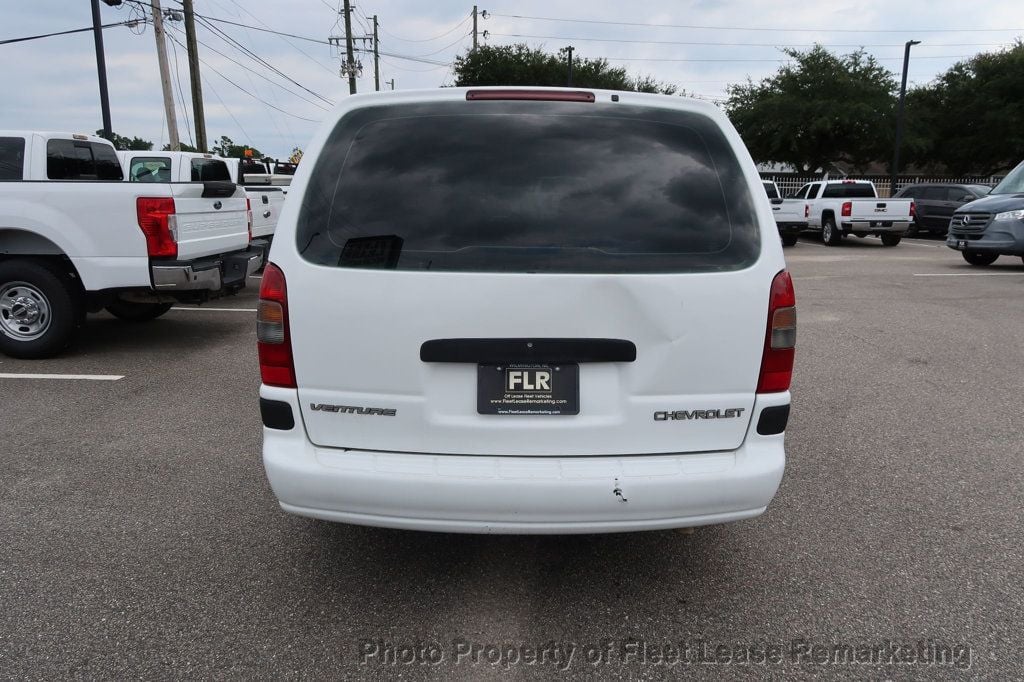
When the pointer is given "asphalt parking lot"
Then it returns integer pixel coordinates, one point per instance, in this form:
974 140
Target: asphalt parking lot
139 538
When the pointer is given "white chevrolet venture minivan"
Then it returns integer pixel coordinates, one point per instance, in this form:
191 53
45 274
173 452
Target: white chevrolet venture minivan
501 310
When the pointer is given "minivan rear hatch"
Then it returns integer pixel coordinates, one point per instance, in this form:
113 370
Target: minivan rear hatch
530 278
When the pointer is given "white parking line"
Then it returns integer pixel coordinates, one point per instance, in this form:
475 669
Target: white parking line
80 377
969 274
220 310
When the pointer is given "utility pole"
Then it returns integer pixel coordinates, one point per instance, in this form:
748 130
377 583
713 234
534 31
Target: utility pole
474 28
570 66
165 76
895 171
101 69
376 57
350 56
193 73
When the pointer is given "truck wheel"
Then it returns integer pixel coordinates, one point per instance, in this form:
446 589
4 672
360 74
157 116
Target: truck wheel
979 258
891 239
137 312
829 233
790 239
39 310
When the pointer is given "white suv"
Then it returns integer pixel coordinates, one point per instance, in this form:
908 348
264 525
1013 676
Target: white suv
501 310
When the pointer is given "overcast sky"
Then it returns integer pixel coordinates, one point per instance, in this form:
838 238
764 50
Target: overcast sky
51 83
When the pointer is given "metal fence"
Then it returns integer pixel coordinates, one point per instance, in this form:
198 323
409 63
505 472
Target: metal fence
791 182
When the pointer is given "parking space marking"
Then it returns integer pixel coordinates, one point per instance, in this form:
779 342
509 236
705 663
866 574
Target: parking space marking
969 274
220 310
73 377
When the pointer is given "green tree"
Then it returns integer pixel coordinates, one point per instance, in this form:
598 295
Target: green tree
182 147
229 150
968 120
819 109
522 65
128 143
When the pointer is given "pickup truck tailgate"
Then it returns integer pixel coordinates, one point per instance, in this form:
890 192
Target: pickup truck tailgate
266 203
209 219
897 210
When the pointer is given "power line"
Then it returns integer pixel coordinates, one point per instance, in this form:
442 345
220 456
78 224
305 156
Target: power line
427 40
249 70
657 59
761 28
712 44
175 40
131 23
296 47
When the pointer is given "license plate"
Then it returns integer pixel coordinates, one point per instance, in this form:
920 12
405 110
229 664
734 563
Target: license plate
528 389
961 244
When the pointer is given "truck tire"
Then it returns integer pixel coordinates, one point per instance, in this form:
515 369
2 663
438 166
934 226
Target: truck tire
891 239
137 312
40 310
980 259
790 239
830 234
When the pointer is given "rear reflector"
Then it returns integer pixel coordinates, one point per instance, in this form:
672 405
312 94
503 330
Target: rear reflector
537 95
155 215
272 333
780 338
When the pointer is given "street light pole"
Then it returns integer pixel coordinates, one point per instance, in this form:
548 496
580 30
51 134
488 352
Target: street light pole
101 68
895 170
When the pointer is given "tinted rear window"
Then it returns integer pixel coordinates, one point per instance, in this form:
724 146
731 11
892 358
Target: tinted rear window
209 169
528 187
849 190
771 190
81 160
12 158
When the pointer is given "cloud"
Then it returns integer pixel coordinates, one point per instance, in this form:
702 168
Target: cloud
51 83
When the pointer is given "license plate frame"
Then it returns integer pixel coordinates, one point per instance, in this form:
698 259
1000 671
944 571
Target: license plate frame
538 389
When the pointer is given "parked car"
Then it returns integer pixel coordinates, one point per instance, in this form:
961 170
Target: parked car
842 207
992 226
790 214
936 202
264 202
507 310
74 238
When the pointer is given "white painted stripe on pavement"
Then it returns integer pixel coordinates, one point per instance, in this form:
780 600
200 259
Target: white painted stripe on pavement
969 274
78 377
220 310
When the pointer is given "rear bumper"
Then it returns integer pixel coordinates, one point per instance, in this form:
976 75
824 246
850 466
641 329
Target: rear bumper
542 495
791 228
210 274
897 227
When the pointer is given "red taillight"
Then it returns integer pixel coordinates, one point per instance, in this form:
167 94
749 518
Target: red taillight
807 210
539 95
847 209
272 333
248 216
155 215
780 339
913 209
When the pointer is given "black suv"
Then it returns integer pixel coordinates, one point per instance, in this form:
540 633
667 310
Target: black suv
991 227
936 202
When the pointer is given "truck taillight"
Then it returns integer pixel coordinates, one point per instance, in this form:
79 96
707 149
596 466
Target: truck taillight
248 216
780 339
913 209
155 215
807 210
273 337
847 209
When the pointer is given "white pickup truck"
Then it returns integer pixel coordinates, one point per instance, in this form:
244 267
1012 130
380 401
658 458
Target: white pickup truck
74 239
842 207
790 214
264 201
